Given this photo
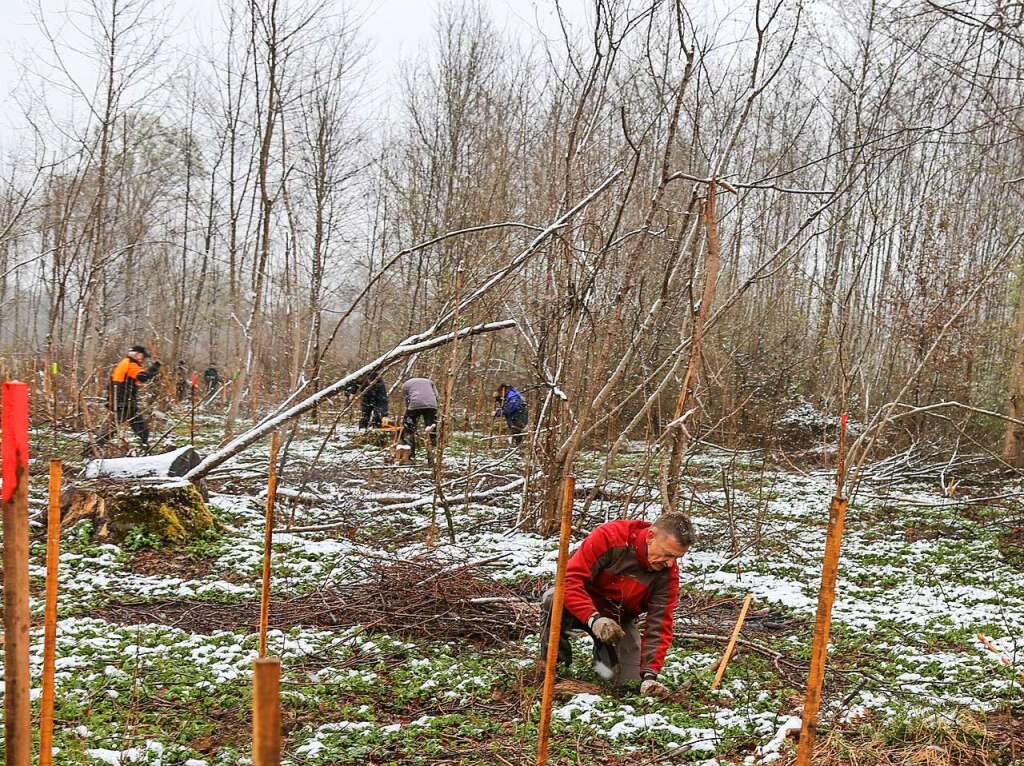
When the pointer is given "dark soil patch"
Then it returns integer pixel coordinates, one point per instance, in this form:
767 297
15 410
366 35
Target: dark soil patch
167 562
1007 728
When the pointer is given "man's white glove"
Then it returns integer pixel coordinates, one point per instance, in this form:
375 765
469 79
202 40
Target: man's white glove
651 688
606 629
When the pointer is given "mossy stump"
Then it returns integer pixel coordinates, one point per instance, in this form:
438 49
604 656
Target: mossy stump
171 509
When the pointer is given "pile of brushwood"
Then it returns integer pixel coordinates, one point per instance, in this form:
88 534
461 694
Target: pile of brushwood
419 597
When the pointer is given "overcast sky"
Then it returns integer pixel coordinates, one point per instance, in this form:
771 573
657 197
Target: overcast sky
396 29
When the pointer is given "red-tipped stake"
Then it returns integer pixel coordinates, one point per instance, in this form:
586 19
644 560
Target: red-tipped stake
17 681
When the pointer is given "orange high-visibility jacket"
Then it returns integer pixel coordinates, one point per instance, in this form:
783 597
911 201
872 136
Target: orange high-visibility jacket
124 381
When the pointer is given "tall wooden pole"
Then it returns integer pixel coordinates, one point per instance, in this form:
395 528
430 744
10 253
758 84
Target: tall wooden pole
826 598
17 681
266 712
557 603
268 539
50 617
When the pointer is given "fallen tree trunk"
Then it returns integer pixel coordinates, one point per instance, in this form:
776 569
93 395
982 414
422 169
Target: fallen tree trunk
174 463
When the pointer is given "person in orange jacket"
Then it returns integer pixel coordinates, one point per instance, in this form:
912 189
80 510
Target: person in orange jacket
122 398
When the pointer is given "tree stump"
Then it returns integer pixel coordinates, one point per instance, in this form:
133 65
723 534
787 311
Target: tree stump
384 438
124 494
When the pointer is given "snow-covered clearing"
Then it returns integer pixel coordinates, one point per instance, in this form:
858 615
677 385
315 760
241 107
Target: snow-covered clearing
917 584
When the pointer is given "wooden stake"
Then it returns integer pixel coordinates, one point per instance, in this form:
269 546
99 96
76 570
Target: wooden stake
268 539
987 642
557 603
266 712
192 413
732 642
826 598
17 681
50 617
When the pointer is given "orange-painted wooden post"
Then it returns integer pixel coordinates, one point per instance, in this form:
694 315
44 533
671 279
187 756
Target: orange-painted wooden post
266 712
50 617
17 681
826 598
557 602
268 539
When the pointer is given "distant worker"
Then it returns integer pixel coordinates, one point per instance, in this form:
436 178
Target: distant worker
622 570
373 400
122 398
420 397
512 406
212 379
182 381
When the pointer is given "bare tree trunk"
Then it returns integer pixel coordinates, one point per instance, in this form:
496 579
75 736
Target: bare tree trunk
1013 441
682 426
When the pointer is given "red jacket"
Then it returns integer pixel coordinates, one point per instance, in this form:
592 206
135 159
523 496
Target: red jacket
609 573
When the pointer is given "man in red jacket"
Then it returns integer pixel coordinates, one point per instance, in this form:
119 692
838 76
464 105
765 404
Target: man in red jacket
624 569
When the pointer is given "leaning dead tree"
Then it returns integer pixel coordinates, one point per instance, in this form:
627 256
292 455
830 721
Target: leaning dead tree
409 347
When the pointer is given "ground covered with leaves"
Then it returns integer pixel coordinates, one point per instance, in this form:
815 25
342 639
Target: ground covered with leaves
401 647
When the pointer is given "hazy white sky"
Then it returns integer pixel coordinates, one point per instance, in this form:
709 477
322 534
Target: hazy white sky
396 30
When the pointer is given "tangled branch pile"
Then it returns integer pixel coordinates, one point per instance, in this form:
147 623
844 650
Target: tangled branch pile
420 597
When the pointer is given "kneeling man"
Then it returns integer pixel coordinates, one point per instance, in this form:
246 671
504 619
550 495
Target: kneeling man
624 575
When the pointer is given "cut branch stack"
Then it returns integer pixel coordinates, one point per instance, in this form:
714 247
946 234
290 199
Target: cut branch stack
420 597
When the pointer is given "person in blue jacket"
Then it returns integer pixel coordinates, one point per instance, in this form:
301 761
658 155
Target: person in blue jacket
512 406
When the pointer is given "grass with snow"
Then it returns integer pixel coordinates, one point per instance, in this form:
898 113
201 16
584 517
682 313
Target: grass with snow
917 584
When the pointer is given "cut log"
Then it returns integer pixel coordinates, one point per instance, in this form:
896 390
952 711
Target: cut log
175 463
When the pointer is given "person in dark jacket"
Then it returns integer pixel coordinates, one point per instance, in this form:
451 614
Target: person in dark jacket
373 401
212 379
624 569
512 407
420 396
122 397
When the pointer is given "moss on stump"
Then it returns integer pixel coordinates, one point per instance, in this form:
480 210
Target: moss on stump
172 510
